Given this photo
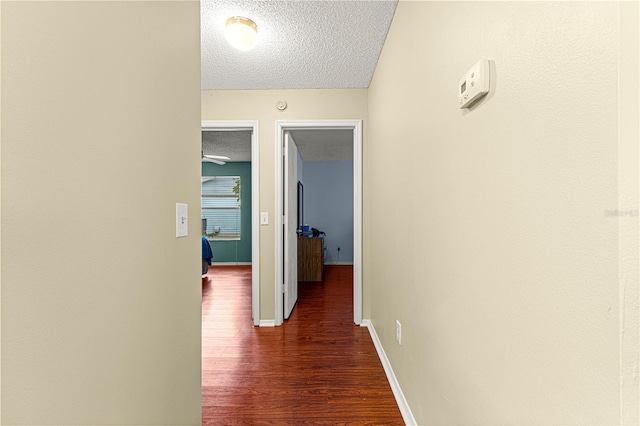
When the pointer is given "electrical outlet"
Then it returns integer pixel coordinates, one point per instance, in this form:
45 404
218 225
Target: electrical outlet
398 333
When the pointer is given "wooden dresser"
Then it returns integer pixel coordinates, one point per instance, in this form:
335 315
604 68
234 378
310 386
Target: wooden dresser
310 259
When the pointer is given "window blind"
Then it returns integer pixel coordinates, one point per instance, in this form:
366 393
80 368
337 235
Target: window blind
221 207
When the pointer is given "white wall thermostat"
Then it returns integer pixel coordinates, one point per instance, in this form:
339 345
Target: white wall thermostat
474 84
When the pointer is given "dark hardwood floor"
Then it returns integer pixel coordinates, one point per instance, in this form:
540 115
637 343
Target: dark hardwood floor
318 368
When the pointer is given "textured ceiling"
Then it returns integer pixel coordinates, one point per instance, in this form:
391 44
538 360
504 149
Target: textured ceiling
313 145
324 145
303 44
234 144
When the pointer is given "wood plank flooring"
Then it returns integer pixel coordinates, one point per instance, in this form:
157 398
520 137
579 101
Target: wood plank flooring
317 369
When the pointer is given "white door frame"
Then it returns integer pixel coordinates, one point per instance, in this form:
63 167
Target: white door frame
356 126
231 125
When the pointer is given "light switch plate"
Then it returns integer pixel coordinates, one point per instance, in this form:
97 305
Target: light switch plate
264 218
182 220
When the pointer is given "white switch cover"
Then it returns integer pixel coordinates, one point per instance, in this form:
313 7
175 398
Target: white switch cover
182 220
264 218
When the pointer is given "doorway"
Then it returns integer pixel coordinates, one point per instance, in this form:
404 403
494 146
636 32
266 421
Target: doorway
280 265
244 126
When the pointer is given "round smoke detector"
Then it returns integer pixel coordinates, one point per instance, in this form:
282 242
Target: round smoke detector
281 105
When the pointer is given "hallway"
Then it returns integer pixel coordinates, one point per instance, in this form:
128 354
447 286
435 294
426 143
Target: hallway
318 368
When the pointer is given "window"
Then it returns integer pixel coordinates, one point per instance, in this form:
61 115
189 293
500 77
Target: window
221 207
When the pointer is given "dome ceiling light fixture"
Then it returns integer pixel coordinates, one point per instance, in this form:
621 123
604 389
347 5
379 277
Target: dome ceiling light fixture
241 33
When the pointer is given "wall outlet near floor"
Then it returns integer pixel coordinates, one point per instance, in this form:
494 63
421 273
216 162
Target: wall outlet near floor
398 333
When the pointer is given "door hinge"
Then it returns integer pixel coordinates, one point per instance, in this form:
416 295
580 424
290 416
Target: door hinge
283 288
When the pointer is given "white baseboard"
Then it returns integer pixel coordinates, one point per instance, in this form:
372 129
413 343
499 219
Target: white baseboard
403 405
267 323
231 263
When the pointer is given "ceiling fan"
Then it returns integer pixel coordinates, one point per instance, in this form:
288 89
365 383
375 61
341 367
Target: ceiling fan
217 159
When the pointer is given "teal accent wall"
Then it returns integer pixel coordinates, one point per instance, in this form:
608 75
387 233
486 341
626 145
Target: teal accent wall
234 251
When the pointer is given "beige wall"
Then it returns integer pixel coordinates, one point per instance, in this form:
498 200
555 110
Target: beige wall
100 139
629 194
506 278
260 105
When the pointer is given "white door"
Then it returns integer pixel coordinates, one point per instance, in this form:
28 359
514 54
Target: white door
290 221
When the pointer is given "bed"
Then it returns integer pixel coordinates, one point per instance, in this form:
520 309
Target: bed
207 255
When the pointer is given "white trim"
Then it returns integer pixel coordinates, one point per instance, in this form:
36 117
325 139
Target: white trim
356 126
214 263
279 227
403 405
233 125
357 222
267 323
